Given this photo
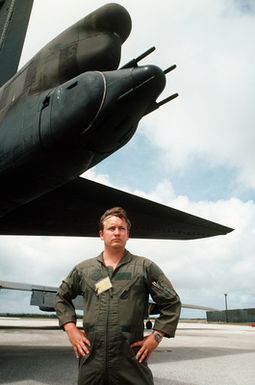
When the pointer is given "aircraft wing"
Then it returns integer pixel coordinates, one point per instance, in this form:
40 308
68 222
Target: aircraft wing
14 18
154 310
75 208
43 297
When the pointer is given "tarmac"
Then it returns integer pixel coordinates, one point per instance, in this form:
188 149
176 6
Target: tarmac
36 352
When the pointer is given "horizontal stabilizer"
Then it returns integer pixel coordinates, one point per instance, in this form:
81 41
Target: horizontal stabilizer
75 209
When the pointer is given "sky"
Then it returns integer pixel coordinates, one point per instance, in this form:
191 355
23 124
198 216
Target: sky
195 154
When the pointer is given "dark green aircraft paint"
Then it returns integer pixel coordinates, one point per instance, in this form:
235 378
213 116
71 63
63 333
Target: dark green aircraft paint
14 17
65 111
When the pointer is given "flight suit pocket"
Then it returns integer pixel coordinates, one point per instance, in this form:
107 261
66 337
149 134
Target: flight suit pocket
90 301
88 286
133 300
127 350
125 292
84 359
130 354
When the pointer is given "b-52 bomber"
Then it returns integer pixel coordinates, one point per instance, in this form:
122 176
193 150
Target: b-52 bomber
66 110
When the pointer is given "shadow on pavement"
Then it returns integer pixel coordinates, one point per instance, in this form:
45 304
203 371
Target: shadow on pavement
191 353
30 365
38 365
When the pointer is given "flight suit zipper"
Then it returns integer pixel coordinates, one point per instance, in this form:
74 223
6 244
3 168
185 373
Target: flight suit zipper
109 294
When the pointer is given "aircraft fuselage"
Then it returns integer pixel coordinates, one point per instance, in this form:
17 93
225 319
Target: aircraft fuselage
69 107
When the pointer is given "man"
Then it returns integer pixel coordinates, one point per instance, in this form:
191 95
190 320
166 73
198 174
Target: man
116 286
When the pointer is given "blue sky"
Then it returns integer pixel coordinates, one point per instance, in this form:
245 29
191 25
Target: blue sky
195 154
200 180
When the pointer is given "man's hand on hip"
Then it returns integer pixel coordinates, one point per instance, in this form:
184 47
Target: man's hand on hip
147 345
78 339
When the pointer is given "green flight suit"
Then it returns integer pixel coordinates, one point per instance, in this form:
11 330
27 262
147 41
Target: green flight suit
115 318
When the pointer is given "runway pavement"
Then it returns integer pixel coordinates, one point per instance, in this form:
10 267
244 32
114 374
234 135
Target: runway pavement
35 352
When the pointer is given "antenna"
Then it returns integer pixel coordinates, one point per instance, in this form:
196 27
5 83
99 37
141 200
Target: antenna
133 63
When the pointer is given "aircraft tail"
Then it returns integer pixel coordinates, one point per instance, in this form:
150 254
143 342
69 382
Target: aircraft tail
14 18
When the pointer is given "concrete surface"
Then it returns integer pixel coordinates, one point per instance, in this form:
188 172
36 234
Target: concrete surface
32 353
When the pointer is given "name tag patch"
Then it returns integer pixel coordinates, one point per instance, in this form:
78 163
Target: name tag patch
122 276
103 285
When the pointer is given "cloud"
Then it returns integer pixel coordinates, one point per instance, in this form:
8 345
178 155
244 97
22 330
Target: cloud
100 178
213 117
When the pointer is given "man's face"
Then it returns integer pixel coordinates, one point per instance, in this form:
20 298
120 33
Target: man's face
115 232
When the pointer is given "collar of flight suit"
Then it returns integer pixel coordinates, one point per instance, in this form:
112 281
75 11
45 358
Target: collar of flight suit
125 259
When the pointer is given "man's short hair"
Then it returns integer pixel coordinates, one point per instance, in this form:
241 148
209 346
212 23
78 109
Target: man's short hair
116 212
